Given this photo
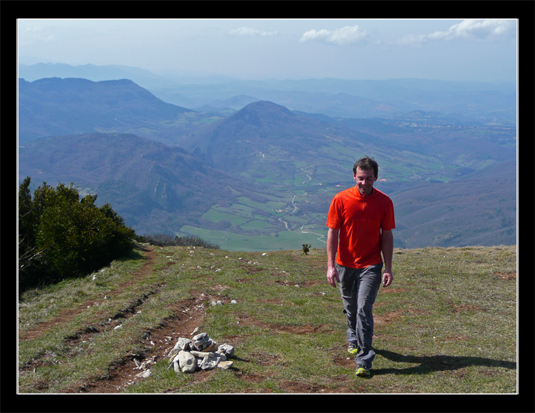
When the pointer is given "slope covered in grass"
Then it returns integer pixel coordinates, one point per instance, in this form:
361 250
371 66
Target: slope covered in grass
446 325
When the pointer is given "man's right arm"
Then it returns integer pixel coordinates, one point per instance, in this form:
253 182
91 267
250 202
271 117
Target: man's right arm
332 248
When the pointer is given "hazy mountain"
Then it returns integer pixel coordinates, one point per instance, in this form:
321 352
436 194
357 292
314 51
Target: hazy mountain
264 135
488 102
146 181
267 142
476 209
95 73
55 106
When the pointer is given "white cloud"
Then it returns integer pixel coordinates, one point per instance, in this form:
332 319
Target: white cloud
247 31
345 35
482 29
467 29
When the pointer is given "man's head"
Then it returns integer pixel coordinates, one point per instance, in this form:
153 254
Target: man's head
366 164
365 173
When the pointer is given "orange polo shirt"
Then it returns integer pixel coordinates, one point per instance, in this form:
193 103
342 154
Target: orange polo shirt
360 220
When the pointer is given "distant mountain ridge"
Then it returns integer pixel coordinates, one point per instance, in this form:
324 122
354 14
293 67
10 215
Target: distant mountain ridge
55 106
488 102
95 73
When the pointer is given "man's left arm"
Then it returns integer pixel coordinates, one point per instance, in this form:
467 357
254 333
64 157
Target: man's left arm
387 247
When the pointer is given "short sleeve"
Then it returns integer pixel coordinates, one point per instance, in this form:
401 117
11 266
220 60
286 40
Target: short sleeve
334 215
389 221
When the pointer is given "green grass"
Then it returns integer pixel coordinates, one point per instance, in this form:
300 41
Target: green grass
446 325
249 243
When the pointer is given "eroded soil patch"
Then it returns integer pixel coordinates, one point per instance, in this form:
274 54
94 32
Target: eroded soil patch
506 276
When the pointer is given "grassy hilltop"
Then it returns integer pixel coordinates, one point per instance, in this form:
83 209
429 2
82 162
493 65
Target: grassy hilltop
446 325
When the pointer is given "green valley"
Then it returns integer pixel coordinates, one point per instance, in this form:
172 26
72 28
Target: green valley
262 177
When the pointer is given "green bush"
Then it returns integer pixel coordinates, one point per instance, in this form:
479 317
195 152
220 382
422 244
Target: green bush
63 236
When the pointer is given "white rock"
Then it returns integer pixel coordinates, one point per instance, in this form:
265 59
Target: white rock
176 367
172 361
209 363
226 349
212 346
225 364
144 374
172 353
234 302
201 341
202 354
183 343
187 362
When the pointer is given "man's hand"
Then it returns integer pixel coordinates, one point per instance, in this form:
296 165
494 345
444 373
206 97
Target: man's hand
332 275
387 247
332 247
387 278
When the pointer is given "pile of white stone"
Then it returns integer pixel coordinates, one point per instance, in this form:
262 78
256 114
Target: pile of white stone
199 353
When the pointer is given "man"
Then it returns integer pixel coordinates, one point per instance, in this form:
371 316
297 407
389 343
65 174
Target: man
360 222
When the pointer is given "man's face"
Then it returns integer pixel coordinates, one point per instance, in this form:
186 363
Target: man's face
365 180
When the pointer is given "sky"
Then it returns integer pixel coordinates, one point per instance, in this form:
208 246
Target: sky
442 49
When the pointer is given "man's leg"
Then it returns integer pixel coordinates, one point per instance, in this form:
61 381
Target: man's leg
368 283
348 290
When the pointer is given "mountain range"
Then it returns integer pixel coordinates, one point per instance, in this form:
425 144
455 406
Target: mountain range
261 177
470 101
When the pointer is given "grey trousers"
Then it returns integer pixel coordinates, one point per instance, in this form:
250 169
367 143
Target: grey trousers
359 289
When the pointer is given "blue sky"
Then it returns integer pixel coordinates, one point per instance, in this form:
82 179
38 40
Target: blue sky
443 49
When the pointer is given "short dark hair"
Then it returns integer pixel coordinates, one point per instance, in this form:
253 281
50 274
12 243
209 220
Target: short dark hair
366 164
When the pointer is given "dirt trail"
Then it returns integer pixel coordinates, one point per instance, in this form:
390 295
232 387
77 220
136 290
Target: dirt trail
158 343
189 315
70 313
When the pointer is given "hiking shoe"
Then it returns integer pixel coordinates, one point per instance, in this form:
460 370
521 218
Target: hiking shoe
363 372
352 349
